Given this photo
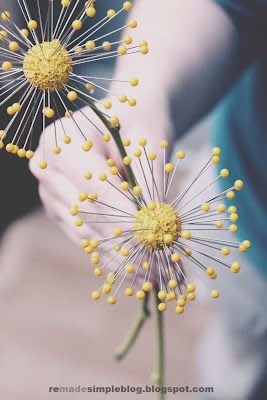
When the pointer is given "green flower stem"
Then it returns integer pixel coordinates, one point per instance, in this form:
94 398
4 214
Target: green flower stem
144 312
115 133
159 373
128 343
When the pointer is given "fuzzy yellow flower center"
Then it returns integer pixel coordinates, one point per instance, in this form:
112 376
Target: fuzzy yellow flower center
47 66
157 225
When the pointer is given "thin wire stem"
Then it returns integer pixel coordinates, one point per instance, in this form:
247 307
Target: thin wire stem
159 376
132 335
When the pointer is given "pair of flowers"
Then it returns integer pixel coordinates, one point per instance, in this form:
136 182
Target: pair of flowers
156 243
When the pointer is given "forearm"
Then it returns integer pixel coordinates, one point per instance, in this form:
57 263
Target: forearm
192 60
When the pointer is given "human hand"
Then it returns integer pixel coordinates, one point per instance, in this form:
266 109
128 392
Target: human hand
63 180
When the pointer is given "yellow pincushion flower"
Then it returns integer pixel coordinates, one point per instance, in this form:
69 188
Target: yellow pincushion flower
159 241
38 70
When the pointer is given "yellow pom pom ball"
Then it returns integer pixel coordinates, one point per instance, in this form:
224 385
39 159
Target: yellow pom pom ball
205 207
5 16
7 66
235 267
79 222
67 140
132 24
21 153
142 142
90 45
186 234
122 50
13 46
90 11
175 257
168 238
233 228
162 307
57 150
95 295
117 232
239 184
32 25
127 5
173 283
103 177
111 300
216 151
225 251
162 294
88 144
129 292
127 160
179 310
181 155
169 168
137 190
125 185
140 295
127 40
230 195
147 286
224 173
130 268
77 25
72 95
190 288
215 293
246 243
43 164
191 296
111 13
134 82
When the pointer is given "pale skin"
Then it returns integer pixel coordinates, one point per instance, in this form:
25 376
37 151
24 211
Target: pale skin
193 59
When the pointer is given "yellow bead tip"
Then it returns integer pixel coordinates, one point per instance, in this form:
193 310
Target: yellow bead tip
246 243
140 295
43 164
239 185
127 5
235 267
215 294
181 302
95 295
180 155
224 173
162 294
162 307
85 243
79 222
5 16
129 292
179 310
111 300
130 268
216 151
147 286
191 296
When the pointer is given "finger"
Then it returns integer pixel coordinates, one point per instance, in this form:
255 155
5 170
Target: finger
72 151
56 211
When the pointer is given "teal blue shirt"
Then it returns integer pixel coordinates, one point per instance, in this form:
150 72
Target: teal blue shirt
240 128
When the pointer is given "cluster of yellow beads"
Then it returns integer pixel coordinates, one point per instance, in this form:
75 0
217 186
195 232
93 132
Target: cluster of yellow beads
157 224
47 66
